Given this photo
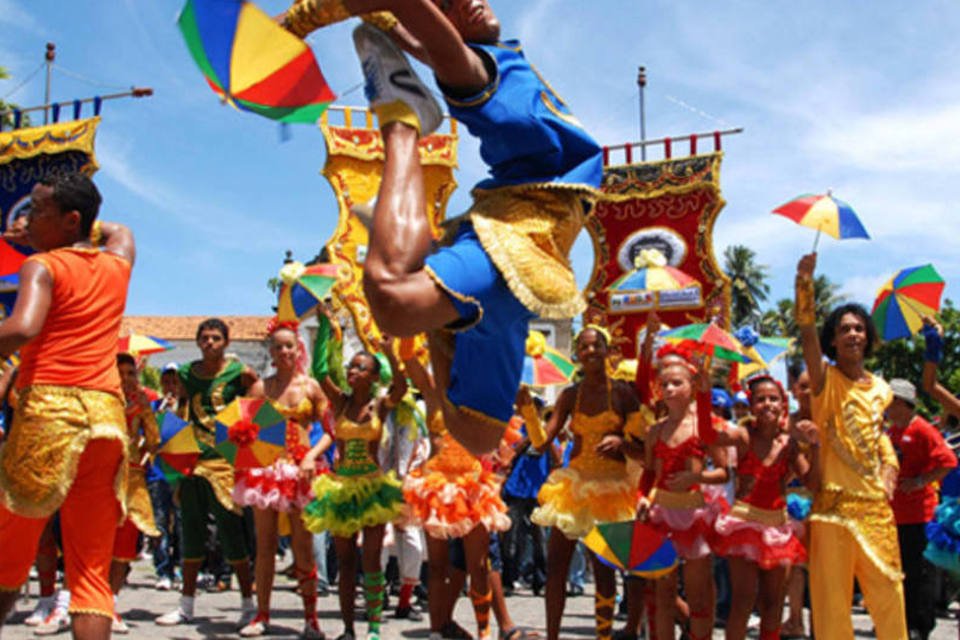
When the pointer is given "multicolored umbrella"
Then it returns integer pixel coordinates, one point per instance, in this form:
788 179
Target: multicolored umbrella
762 348
633 546
544 366
905 299
651 273
253 63
303 288
179 450
250 432
826 214
140 345
710 339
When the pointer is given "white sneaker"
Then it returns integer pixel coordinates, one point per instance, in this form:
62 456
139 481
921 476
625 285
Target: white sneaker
388 77
173 618
163 584
255 628
40 613
119 626
247 617
57 622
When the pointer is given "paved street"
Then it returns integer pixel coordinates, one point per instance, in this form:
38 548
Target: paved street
217 612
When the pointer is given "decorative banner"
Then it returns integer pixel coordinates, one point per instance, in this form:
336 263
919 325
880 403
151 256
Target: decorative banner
26 157
669 205
353 167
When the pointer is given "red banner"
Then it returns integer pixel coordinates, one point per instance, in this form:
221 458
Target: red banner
670 206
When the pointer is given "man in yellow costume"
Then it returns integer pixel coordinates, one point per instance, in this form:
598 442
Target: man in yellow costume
853 473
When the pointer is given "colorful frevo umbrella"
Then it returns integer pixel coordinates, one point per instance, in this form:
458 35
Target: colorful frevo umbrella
651 273
140 345
826 214
253 63
905 299
544 366
303 288
179 451
633 546
709 339
250 432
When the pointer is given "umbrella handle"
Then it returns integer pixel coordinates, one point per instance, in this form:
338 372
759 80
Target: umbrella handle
816 241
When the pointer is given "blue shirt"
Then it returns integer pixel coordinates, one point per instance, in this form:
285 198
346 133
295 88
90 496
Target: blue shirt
530 471
527 134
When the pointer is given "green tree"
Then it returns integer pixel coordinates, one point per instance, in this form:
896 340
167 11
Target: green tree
748 284
7 119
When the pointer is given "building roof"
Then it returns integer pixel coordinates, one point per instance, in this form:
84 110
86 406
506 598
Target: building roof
185 327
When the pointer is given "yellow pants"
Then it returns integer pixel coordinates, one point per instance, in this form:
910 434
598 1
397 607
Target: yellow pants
835 560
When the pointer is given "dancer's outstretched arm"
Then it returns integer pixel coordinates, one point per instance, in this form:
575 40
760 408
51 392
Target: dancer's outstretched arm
806 320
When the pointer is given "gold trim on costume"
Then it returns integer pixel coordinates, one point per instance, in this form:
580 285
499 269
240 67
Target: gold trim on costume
677 499
770 517
305 16
219 473
438 281
804 311
51 429
488 421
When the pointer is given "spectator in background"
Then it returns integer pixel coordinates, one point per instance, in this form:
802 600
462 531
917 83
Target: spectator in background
925 459
166 548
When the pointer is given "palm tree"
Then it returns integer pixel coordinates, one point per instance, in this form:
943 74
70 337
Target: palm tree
6 120
748 284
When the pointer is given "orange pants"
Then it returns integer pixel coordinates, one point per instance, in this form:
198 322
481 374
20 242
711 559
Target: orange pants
88 518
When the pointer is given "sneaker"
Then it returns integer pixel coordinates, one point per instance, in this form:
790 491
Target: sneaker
388 77
119 626
249 615
40 613
163 584
173 618
57 622
256 627
408 613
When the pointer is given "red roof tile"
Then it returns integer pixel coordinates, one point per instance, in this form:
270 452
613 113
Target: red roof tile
185 327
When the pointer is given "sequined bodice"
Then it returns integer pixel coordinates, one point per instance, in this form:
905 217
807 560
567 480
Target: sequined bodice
766 491
300 416
674 459
591 430
355 458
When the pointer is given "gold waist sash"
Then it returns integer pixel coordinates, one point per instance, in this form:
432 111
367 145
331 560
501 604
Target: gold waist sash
769 517
678 499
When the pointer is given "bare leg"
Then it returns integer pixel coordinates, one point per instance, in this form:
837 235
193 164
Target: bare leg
770 600
634 587
701 596
500 611
666 608
7 600
605 598
373 578
743 579
191 568
265 523
302 544
403 299
91 627
796 585
476 546
559 552
244 577
347 557
118 572
439 565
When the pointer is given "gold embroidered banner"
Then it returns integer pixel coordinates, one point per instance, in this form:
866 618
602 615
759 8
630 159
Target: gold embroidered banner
671 206
354 166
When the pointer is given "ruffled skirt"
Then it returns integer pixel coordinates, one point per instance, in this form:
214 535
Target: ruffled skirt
741 533
449 505
346 504
279 487
689 518
943 536
573 502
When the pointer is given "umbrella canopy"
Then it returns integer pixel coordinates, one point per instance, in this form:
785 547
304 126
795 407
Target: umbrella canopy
140 345
179 450
825 214
762 348
654 278
710 339
303 288
544 366
250 432
633 546
253 63
905 299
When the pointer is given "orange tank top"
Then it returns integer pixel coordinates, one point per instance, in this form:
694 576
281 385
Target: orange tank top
77 345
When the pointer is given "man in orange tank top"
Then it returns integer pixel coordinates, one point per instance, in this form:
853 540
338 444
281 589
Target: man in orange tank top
67 446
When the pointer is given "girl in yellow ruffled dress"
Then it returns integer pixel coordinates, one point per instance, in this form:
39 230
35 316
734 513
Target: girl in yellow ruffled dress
596 486
453 495
358 496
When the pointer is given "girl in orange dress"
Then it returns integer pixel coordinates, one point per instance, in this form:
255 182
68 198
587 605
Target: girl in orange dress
285 486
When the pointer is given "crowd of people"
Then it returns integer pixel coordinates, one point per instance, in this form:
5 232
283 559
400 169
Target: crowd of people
495 487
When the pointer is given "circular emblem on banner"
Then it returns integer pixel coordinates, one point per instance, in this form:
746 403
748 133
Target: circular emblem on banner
667 241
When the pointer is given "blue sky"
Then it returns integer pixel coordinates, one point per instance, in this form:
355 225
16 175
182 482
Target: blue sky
859 97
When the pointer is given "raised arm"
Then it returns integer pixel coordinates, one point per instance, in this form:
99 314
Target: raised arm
561 414
117 239
805 312
933 354
31 309
398 386
323 348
